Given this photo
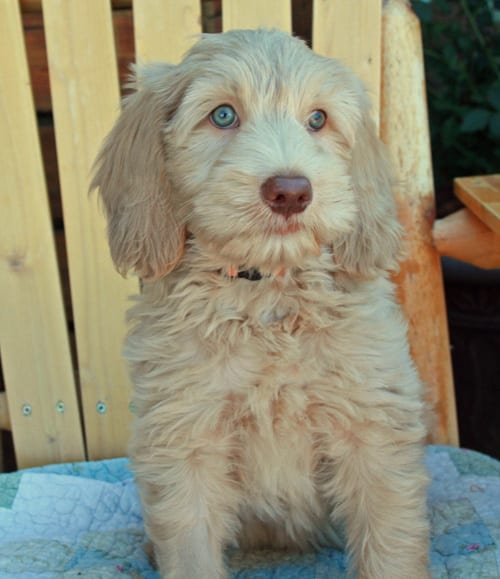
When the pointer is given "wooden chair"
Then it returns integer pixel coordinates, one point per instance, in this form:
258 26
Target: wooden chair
70 406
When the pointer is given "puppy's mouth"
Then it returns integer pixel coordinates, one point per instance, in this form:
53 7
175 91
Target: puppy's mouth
287 227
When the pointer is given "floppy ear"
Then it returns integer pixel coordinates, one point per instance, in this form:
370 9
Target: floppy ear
144 230
373 246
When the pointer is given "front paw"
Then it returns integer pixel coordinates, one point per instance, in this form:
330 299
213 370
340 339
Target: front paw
394 565
195 561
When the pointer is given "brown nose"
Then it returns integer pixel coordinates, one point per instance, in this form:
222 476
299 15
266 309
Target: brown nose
287 195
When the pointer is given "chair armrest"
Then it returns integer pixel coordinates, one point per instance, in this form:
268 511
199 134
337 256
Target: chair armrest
463 236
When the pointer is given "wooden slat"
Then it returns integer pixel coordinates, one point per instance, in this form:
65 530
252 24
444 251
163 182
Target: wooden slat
34 35
36 5
352 31
482 196
85 94
34 342
165 30
256 14
404 127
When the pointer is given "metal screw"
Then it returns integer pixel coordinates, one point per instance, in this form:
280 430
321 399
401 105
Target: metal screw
101 408
27 410
60 407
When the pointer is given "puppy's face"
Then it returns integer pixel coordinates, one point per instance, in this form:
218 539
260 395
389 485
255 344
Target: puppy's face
263 107
267 153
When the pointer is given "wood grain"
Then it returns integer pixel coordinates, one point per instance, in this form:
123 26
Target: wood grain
36 5
256 14
404 128
482 196
36 359
85 92
352 32
34 34
86 101
165 30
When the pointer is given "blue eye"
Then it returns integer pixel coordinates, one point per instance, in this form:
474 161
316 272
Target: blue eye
317 120
224 117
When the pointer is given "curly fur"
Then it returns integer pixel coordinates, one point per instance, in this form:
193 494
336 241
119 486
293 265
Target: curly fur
268 413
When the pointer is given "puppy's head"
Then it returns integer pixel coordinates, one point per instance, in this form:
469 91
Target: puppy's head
260 149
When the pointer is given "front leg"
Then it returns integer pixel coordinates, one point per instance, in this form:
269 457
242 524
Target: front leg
189 498
378 488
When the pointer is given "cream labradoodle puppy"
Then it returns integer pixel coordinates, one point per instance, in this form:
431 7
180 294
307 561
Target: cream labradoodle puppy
274 394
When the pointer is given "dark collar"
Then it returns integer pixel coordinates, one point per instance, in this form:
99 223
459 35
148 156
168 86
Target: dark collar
252 274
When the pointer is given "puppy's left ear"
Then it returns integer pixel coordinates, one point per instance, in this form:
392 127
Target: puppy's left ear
373 246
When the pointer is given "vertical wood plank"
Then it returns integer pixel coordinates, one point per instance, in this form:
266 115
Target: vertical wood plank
86 101
164 30
256 14
36 358
352 31
404 128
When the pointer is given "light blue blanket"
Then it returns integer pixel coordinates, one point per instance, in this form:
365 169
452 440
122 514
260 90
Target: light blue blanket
84 520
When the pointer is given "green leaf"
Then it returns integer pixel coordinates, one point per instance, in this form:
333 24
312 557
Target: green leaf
494 96
475 120
449 131
423 10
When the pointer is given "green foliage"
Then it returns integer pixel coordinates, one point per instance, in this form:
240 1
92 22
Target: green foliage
462 60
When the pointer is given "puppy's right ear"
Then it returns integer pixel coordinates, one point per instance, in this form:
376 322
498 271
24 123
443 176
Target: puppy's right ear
144 230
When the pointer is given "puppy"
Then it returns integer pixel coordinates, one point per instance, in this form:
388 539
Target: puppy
275 399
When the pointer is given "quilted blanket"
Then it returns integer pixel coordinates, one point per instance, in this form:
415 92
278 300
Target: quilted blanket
84 520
